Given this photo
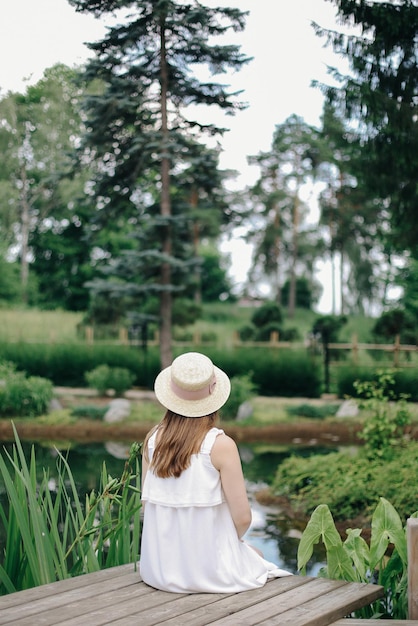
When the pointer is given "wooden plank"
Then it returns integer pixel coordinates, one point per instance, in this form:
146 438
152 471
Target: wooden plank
64 585
412 542
117 596
75 603
141 599
328 607
225 605
278 605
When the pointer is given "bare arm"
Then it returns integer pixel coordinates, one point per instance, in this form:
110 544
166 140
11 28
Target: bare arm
225 458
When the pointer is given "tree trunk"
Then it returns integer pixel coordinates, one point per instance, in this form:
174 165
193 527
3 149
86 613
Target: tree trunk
277 286
166 303
24 244
194 201
333 298
295 234
342 308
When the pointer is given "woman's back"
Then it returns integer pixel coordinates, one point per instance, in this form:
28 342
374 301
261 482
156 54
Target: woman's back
189 541
196 508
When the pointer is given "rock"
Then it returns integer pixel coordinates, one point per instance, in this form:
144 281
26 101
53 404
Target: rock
348 408
245 410
55 405
119 409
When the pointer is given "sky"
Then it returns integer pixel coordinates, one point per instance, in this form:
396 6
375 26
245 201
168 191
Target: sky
287 56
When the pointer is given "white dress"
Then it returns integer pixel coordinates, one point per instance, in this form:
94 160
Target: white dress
189 541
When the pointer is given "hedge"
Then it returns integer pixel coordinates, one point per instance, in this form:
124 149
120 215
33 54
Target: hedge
274 373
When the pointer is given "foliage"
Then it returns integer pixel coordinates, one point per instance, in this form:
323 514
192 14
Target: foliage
21 395
215 283
264 333
349 483
275 373
404 381
52 535
396 322
378 97
242 390
90 412
42 218
267 313
355 560
65 364
312 411
9 282
283 244
169 184
383 431
103 378
308 292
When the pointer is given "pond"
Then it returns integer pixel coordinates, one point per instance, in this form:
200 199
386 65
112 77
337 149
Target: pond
271 531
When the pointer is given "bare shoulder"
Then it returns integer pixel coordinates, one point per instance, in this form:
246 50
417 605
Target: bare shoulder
224 448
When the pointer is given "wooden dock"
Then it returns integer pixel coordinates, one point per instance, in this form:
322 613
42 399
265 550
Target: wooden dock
117 596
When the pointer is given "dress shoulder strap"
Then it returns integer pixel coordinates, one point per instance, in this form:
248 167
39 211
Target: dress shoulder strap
209 439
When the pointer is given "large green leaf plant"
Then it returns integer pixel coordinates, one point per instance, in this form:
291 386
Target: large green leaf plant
383 560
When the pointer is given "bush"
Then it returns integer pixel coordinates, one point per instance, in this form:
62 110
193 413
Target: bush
21 395
312 411
269 312
242 390
264 333
350 484
247 332
103 378
66 364
89 412
405 382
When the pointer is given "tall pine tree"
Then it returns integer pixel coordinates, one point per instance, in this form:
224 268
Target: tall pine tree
380 94
138 129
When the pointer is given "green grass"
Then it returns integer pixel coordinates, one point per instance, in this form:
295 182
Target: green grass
35 325
223 319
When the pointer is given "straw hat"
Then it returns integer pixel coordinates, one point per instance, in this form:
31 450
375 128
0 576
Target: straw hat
192 386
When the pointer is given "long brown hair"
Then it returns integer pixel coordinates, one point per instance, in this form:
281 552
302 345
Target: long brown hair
179 437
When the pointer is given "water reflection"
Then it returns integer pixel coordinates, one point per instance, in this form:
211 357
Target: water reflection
273 533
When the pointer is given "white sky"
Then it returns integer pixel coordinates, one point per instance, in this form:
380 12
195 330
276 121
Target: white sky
36 34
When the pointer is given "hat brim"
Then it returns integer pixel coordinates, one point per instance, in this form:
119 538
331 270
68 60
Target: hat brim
192 408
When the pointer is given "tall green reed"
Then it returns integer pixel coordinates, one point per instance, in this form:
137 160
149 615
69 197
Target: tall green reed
51 534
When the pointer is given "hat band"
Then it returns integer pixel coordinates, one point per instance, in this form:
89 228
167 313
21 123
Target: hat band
194 394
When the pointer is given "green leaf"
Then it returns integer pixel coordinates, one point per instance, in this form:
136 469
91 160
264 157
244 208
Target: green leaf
320 526
358 551
340 565
386 527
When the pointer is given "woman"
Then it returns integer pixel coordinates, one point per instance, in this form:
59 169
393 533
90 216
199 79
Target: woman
196 509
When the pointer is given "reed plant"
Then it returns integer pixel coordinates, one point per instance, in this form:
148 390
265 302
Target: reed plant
52 534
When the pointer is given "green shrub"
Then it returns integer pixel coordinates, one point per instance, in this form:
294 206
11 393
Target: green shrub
21 395
312 411
275 372
405 381
66 364
264 333
287 373
103 378
267 313
383 431
247 332
89 412
349 483
242 390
